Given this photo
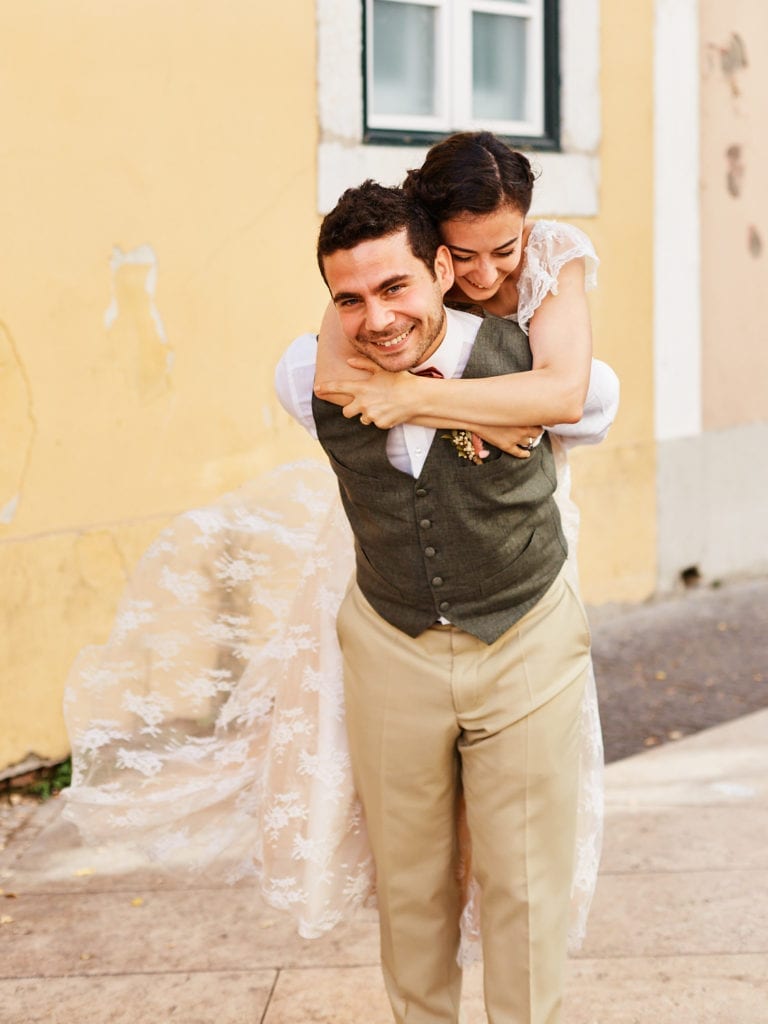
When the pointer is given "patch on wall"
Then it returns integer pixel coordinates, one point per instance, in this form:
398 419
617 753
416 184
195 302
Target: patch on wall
134 322
734 174
754 242
732 59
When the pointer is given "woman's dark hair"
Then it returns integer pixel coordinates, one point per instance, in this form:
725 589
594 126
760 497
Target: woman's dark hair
374 211
471 172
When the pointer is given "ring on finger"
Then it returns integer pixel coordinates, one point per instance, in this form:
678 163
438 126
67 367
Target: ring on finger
365 421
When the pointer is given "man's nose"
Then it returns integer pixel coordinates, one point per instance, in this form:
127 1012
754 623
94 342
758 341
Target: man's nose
378 317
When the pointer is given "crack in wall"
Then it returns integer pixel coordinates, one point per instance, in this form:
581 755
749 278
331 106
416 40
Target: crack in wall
80 529
123 559
15 461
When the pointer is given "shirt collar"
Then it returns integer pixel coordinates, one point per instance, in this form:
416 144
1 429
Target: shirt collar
446 357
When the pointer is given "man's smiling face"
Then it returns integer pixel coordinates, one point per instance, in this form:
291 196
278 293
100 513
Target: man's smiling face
390 306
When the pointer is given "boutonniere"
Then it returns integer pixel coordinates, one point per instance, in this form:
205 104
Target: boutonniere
468 445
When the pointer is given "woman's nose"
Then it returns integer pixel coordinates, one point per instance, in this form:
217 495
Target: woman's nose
484 272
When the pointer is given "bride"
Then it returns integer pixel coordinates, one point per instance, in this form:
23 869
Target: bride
210 727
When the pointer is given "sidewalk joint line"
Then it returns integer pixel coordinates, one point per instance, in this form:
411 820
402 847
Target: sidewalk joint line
264 968
269 996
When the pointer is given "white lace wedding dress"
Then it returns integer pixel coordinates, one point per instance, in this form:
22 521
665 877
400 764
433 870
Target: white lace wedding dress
210 726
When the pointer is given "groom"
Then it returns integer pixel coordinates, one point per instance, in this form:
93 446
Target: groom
465 647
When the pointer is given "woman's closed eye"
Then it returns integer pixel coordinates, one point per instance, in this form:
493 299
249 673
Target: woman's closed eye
468 259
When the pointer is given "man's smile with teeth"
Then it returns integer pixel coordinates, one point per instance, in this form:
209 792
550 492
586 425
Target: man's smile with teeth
394 341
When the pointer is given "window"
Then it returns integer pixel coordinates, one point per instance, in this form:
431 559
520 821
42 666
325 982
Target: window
349 150
435 66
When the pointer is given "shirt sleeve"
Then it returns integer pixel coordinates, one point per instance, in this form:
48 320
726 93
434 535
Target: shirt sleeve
295 378
600 408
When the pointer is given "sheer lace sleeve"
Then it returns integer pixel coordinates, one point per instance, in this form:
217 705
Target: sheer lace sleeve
550 246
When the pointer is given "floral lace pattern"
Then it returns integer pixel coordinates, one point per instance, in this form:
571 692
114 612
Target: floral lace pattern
550 246
210 726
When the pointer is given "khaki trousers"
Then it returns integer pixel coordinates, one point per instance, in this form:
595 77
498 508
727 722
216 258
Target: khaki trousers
428 717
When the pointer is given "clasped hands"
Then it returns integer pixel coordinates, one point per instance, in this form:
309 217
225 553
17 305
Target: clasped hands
385 400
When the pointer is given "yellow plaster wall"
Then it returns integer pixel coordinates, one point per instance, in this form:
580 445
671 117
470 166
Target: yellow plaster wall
157 182
615 484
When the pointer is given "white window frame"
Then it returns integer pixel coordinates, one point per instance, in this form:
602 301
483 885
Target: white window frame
569 180
453 72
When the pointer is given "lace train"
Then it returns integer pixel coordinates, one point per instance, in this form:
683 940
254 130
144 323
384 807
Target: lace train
210 726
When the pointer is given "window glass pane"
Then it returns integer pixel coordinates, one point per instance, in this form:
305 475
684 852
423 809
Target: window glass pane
403 58
499 68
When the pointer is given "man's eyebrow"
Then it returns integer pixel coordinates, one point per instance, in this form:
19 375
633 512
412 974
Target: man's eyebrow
504 245
381 287
395 279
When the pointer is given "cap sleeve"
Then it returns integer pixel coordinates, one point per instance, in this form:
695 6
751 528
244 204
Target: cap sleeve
550 246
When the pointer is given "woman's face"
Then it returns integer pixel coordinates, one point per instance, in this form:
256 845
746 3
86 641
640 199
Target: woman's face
485 248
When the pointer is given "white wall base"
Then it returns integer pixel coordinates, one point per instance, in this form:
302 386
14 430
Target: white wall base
713 505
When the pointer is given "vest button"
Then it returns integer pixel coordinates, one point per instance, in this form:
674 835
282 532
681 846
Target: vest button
425 524
437 581
430 552
444 606
421 492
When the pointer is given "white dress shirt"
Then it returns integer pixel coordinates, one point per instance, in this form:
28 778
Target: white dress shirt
408 445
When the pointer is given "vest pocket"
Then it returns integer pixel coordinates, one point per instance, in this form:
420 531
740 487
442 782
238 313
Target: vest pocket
514 568
367 573
341 470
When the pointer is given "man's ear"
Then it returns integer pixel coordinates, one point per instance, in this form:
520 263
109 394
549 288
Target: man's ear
444 268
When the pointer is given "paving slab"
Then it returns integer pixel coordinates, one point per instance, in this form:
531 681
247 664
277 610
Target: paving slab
724 765
679 928
181 930
352 995
678 931
663 914
668 990
338 995
659 839
204 998
55 860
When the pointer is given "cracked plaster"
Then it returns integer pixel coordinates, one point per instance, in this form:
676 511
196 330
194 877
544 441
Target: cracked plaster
17 423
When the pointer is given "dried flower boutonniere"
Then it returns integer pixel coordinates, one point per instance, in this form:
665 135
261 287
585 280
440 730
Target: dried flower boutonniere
468 445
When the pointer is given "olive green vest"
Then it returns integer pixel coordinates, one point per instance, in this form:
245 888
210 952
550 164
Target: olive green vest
477 544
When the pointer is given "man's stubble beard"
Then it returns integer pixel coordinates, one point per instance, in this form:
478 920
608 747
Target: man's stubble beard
431 336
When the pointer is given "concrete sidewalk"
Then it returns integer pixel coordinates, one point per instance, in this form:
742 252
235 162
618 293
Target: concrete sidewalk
678 933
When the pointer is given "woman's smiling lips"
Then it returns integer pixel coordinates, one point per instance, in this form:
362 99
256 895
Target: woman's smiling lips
481 287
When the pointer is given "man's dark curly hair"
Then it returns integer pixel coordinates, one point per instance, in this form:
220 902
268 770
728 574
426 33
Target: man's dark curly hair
373 211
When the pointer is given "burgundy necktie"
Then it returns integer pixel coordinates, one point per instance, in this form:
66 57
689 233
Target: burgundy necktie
429 371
